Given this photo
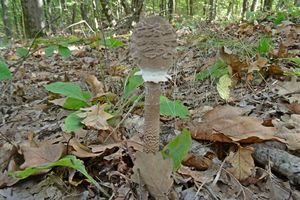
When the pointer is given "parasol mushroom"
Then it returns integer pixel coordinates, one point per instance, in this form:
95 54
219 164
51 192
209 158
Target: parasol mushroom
153 47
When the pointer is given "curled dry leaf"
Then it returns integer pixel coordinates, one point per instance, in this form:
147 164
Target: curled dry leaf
154 172
97 87
223 125
95 117
242 163
233 61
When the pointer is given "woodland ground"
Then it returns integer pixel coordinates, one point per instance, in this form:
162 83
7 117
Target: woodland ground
30 123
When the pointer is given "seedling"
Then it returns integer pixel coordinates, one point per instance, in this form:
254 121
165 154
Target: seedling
153 47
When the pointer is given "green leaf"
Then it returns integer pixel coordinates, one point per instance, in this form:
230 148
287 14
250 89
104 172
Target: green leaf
50 50
22 52
173 108
64 51
223 87
264 45
72 122
132 82
68 89
5 73
112 43
74 104
67 161
216 70
178 148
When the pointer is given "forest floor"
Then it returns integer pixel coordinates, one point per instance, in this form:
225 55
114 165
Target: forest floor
244 147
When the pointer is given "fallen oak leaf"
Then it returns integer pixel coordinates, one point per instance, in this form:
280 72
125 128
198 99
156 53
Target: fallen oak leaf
95 117
223 125
242 163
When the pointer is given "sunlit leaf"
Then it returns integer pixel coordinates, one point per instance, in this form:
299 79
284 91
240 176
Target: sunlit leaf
132 82
223 87
68 89
72 122
64 51
178 148
22 52
111 43
50 50
173 108
5 73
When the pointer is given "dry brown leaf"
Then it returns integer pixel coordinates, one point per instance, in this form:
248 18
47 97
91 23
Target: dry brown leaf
104 147
234 61
79 149
225 126
95 117
259 63
202 163
242 163
294 107
155 172
198 176
44 153
97 87
289 129
289 87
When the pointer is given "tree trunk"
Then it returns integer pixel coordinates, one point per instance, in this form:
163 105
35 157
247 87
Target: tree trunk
137 7
191 4
245 8
215 9
162 8
296 2
229 10
106 10
171 7
16 21
95 9
84 10
125 6
211 11
268 5
33 17
5 18
253 5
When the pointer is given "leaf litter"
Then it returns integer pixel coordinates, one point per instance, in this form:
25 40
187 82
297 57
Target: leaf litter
260 92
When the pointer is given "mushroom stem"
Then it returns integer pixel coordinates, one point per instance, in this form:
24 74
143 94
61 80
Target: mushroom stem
152 117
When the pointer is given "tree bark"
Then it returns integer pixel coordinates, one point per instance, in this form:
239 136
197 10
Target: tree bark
16 21
296 2
5 18
268 5
229 10
125 6
245 8
171 9
106 10
211 11
253 5
33 16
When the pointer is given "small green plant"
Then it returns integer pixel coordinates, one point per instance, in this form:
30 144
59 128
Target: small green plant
216 70
5 73
62 49
67 161
22 52
111 43
75 99
264 45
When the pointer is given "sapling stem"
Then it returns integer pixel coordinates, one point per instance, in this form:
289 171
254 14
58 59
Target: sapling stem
151 116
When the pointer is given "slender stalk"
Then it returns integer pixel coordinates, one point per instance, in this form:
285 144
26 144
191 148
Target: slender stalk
152 117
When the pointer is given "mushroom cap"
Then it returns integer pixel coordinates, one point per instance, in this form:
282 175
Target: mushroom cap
153 47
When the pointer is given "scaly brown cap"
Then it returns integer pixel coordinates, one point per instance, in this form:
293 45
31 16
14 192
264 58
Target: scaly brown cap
153 47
